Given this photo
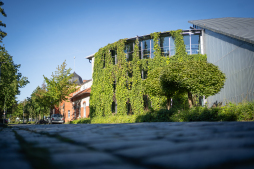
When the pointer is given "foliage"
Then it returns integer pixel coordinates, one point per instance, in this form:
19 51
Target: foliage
230 112
137 90
39 102
130 90
2 33
58 87
10 80
197 77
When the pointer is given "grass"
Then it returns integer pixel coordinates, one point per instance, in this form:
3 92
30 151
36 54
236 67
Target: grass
230 112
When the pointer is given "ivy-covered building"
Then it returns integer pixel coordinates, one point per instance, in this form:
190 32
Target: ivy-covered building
119 68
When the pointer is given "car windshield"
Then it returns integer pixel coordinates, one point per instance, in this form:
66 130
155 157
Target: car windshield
57 115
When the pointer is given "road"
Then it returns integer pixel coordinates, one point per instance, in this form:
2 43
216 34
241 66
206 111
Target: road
136 146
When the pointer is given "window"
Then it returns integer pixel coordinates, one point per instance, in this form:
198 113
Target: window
114 86
146 46
69 113
104 64
164 44
129 109
144 74
172 46
129 51
195 40
57 115
114 56
114 107
186 40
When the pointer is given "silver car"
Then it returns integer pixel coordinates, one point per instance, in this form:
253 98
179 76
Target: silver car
56 118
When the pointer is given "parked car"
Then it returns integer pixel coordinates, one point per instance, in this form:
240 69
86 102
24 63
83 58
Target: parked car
56 118
5 121
41 122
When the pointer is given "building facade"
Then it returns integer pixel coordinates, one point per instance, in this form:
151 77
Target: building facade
229 44
77 105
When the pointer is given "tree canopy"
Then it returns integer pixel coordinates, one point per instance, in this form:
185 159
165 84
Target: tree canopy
10 80
59 86
195 77
2 33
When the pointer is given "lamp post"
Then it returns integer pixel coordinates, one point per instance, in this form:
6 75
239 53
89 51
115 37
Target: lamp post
23 111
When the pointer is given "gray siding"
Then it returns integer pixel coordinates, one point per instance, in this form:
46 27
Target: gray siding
236 59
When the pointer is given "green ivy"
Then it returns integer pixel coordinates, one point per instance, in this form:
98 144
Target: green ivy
130 89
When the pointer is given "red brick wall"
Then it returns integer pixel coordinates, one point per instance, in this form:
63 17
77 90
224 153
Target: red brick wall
68 106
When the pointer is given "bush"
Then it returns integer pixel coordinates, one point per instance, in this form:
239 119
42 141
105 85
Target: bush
229 112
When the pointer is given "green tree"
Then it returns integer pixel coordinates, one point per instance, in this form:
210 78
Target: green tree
195 77
58 86
2 33
41 99
10 80
155 85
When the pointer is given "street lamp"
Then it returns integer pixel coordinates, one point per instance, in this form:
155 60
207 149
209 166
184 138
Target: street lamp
23 111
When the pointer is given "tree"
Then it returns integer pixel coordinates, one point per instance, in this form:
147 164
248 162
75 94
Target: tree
10 80
195 77
2 33
41 99
58 86
157 86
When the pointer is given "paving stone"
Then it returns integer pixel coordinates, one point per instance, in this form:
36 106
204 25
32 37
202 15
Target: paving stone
119 145
201 159
140 145
15 163
71 160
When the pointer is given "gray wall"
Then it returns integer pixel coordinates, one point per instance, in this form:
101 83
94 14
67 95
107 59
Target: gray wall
235 58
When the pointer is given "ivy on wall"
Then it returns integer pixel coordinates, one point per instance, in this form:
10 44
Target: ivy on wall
130 89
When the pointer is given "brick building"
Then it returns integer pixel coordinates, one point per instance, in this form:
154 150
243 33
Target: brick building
77 106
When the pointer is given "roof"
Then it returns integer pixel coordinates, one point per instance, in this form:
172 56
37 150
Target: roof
83 92
90 56
238 28
86 81
76 78
167 33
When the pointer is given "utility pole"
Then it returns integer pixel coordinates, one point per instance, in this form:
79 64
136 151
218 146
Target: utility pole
5 96
23 111
74 63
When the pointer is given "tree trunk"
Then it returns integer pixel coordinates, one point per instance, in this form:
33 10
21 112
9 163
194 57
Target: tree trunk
168 103
190 101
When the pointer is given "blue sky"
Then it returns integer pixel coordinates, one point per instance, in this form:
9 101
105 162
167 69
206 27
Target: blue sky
44 33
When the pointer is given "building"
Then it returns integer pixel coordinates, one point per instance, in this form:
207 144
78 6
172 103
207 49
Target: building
115 92
229 44
77 106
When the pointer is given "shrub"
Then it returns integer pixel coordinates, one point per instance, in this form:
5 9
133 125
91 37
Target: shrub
230 112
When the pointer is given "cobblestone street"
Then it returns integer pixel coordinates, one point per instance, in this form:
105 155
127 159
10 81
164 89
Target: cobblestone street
138 145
